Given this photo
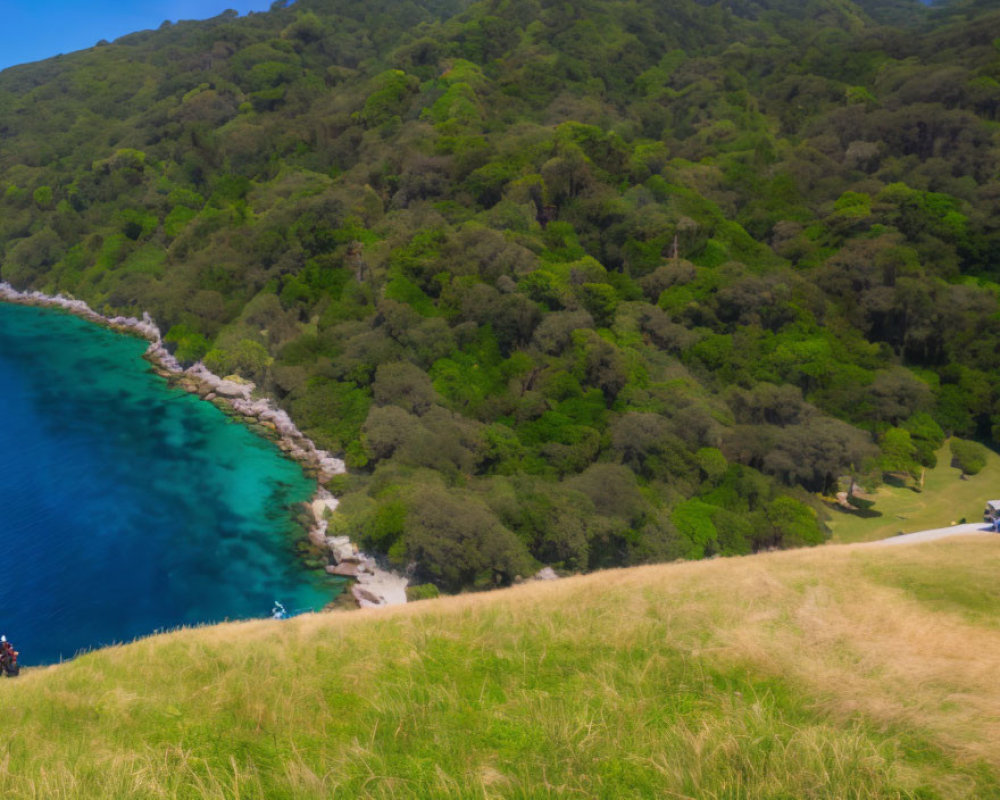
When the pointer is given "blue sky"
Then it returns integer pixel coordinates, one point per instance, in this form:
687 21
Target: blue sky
31 30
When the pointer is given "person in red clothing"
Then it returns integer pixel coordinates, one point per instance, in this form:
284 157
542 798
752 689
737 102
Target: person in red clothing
8 658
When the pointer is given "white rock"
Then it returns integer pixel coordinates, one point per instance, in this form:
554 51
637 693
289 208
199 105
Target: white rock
157 353
202 373
233 389
329 465
344 552
387 586
322 502
317 534
366 598
145 326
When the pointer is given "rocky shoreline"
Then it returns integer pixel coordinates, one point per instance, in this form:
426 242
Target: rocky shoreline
373 586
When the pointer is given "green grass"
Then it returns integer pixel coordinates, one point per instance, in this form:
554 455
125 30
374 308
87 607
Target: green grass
783 675
970 590
946 499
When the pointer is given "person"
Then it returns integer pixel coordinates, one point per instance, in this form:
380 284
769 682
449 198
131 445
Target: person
278 612
8 658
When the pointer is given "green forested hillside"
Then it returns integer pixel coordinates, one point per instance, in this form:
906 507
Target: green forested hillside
585 284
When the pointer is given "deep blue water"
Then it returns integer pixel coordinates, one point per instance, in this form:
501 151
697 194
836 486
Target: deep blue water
126 506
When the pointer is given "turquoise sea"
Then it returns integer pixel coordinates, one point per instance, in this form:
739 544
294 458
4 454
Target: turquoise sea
127 507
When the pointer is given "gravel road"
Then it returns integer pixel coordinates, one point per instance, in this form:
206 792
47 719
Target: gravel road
972 529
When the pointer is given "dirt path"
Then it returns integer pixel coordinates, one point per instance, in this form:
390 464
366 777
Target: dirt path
971 529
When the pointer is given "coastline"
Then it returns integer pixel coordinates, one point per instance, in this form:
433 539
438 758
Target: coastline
373 587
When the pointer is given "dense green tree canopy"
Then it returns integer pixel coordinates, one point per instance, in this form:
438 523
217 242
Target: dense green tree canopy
582 284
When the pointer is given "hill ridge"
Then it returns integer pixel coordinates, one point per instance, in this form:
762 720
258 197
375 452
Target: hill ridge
810 672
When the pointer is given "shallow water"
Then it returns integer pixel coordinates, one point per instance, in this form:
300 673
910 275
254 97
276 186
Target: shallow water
128 507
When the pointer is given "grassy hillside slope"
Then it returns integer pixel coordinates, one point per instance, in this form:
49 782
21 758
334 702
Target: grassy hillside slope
841 672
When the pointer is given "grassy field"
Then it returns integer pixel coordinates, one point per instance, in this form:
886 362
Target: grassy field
832 672
946 498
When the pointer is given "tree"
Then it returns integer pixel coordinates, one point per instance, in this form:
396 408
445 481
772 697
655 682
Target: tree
457 541
926 436
693 519
601 363
386 429
813 456
970 457
555 331
896 394
405 385
899 454
191 345
613 491
791 523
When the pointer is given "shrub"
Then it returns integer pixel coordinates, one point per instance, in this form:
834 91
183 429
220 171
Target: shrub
425 591
191 345
970 457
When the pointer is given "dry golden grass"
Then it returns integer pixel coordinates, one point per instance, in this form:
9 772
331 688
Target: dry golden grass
835 672
876 650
